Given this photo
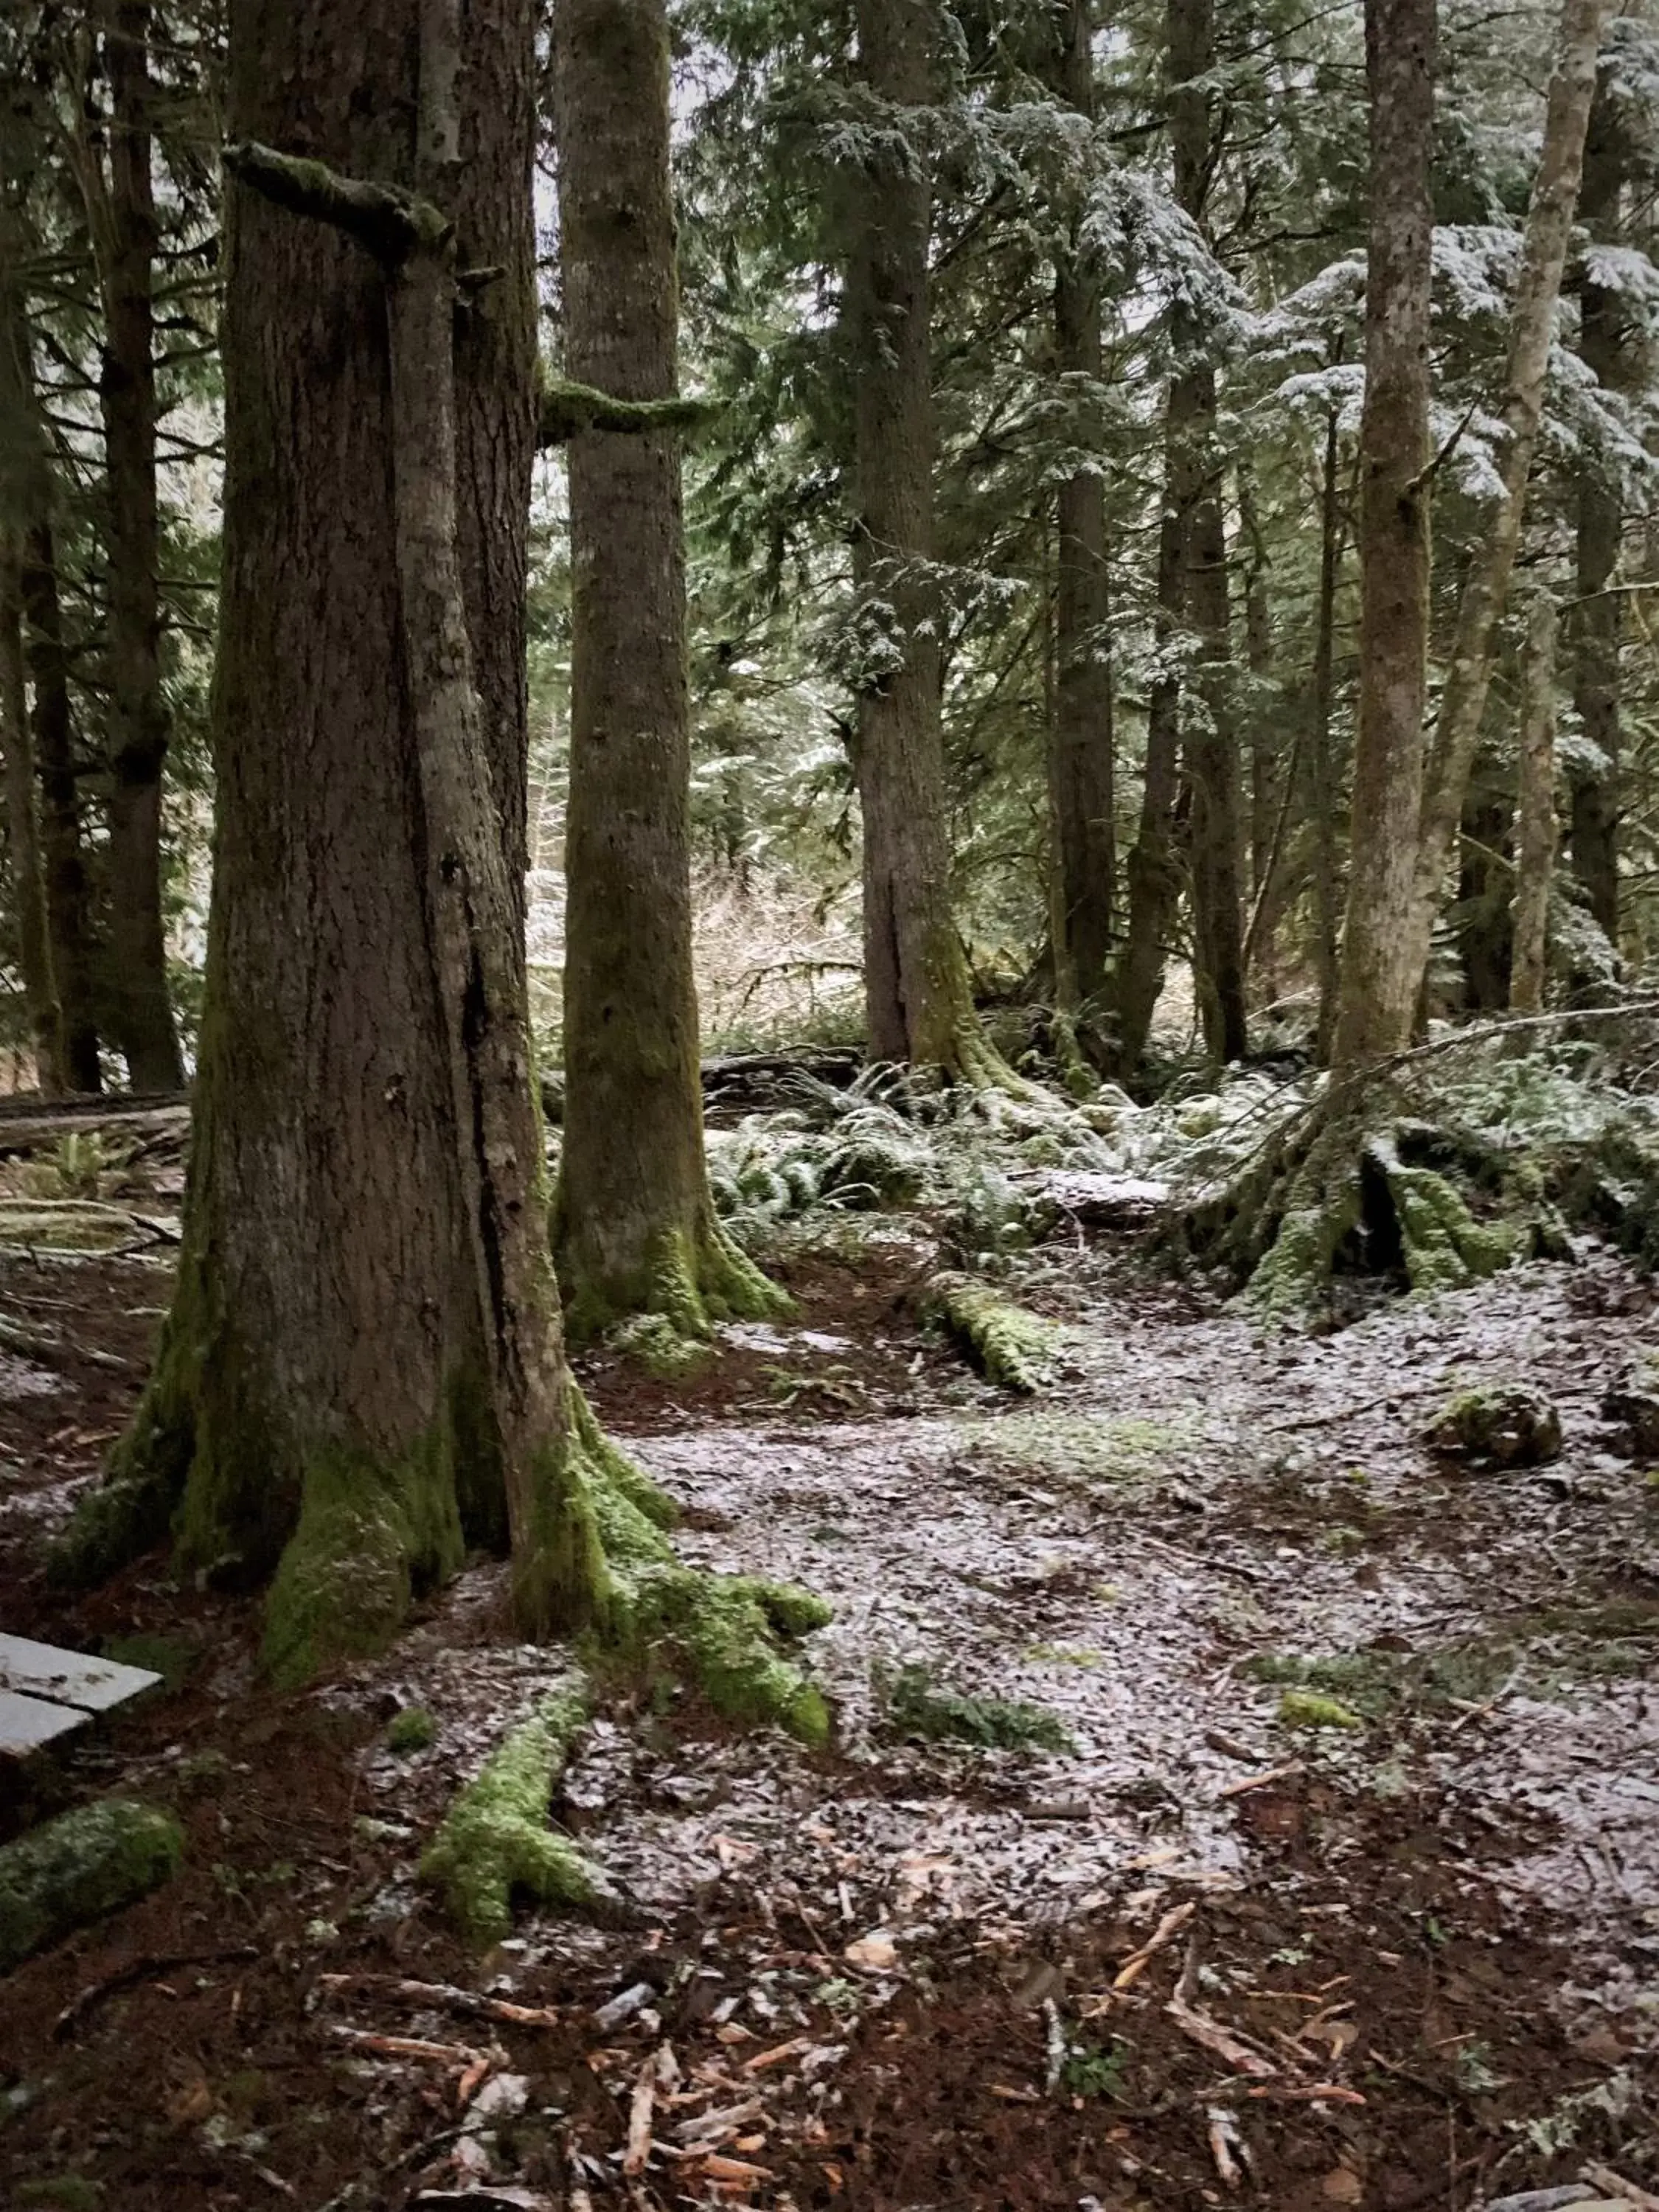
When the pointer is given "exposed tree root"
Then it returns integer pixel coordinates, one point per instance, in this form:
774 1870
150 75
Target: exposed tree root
1007 1343
368 1536
1330 1194
495 1842
689 1285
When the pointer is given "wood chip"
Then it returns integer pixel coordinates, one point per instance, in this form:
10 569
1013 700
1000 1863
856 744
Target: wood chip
1166 1932
1224 2139
1247 1782
1603 2177
779 2054
1219 2041
639 2116
408 2047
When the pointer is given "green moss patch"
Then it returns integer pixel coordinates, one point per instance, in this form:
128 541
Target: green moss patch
1308 1709
412 1729
75 1868
917 1706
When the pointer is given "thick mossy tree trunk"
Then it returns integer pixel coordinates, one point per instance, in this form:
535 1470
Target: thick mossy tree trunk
120 205
361 1373
69 884
1080 737
917 992
1597 621
635 1229
1377 990
1210 736
1532 322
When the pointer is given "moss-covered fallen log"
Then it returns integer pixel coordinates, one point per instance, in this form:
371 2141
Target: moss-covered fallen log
1007 1343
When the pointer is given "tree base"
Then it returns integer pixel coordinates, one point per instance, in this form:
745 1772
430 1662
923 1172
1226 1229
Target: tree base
666 1315
1328 1196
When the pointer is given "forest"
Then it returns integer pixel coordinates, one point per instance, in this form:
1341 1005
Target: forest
829 1105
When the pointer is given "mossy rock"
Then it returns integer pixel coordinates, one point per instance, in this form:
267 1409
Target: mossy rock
1502 1424
81 1866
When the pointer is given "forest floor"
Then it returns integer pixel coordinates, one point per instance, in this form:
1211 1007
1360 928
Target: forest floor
1197 1955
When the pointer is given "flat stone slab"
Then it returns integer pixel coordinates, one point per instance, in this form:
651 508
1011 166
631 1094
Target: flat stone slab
27 1724
69 1678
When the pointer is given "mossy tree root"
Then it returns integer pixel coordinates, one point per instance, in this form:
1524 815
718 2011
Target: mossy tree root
666 1315
495 1844
1330 1191
1008 1345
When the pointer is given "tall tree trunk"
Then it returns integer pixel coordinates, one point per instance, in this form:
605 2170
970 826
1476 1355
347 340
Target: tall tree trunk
1377 991
1322 766
1154 877
69 889
1265 765
1549 231
636 1230
1486 886
1535 820
917 993
36 659
121 211
1080 730
361 1372
1210 736
1598 619
28 884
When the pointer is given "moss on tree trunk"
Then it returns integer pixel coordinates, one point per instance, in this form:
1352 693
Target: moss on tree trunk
635 1226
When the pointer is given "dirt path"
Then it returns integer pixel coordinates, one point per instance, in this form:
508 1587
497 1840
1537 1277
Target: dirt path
1412 1963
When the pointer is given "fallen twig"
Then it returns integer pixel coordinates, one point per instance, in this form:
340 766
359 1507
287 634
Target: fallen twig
1248 1782
1165 1933
469 2001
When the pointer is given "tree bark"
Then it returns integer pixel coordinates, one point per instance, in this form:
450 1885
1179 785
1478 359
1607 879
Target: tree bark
636 1223
361 1372
1154 877
28 884
1377 991
121 213
1080 745
917 992
68 888
1593 835
1535 823
1322 766
1209 731
1548 232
